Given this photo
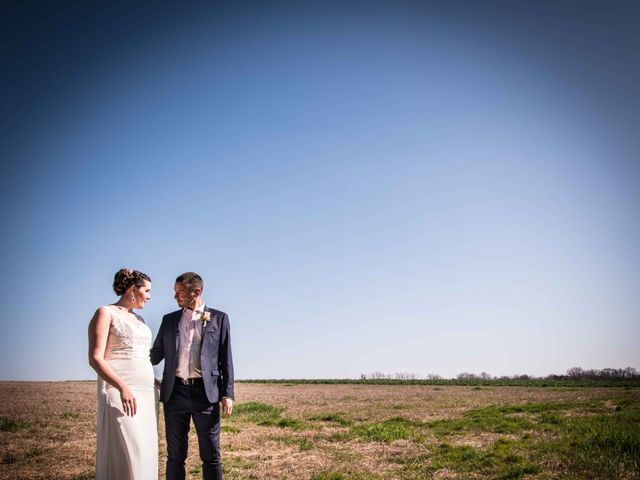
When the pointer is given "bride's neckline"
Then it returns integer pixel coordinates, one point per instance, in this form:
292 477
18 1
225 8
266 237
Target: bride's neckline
120 312
119 308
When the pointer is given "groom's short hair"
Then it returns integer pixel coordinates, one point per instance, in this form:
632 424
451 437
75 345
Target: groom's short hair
191 280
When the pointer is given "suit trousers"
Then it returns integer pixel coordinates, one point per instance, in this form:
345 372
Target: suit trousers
186 402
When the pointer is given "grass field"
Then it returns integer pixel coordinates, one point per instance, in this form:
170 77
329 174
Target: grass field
355 432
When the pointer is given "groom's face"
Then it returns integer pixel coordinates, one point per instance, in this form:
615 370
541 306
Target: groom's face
184 297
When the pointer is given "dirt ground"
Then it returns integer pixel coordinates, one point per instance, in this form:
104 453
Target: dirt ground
48 428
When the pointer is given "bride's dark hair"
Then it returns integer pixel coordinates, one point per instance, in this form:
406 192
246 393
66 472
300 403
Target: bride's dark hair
125 278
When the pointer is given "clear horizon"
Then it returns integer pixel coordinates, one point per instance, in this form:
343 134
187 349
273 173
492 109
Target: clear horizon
430 188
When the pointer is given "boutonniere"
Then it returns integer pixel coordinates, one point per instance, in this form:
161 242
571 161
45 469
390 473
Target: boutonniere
205 317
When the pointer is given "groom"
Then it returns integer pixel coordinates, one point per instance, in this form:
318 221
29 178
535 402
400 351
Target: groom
198 377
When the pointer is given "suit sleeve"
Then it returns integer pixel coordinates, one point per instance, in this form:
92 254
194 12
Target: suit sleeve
157 351
225 360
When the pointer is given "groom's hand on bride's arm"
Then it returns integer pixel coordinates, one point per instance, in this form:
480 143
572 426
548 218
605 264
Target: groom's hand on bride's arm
227 406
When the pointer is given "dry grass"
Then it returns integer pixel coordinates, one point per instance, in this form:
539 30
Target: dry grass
48 430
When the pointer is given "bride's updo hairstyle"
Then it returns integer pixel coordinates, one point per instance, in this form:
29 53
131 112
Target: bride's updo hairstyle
126 278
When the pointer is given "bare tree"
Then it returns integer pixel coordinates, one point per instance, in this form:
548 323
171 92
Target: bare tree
575 372
405 376
378 376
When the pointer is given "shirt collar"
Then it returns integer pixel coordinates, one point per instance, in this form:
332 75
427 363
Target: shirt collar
199 309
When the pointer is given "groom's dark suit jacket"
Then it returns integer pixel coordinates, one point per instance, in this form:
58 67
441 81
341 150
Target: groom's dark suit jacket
215 356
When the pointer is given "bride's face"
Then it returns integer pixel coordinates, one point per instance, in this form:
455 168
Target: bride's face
141 294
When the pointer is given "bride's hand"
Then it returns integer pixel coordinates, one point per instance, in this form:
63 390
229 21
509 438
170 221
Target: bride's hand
129 404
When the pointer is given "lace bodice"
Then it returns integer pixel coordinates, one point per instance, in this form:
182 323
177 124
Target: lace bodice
126 338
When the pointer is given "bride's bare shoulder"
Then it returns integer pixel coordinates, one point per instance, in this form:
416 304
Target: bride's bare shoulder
103 310
101 320
102 314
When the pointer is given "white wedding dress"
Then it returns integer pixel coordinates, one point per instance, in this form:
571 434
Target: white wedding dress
127 447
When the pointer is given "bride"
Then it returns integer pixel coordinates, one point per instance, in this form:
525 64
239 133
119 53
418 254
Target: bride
119 343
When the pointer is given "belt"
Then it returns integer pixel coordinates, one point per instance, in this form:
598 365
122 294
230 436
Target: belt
189 381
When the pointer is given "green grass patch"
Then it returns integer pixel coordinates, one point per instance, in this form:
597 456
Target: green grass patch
236 468
333 475
398 428
339 437
70 415
492 419
291 423
550 420
335 417
306 444
505 419
329 476
537 407
500 461
285 423
230 429
487 419
604 445
266 415
9 458
624 402
10 425
256 412
33 452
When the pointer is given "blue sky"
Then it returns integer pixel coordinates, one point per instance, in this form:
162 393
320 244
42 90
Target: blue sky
382 186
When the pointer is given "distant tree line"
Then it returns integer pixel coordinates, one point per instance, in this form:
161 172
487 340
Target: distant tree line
384 376
574 373
574 377
607 373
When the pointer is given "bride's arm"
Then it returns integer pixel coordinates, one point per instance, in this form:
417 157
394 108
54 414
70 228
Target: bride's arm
98 333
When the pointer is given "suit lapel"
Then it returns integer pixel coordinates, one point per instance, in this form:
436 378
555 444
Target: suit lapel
176 324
